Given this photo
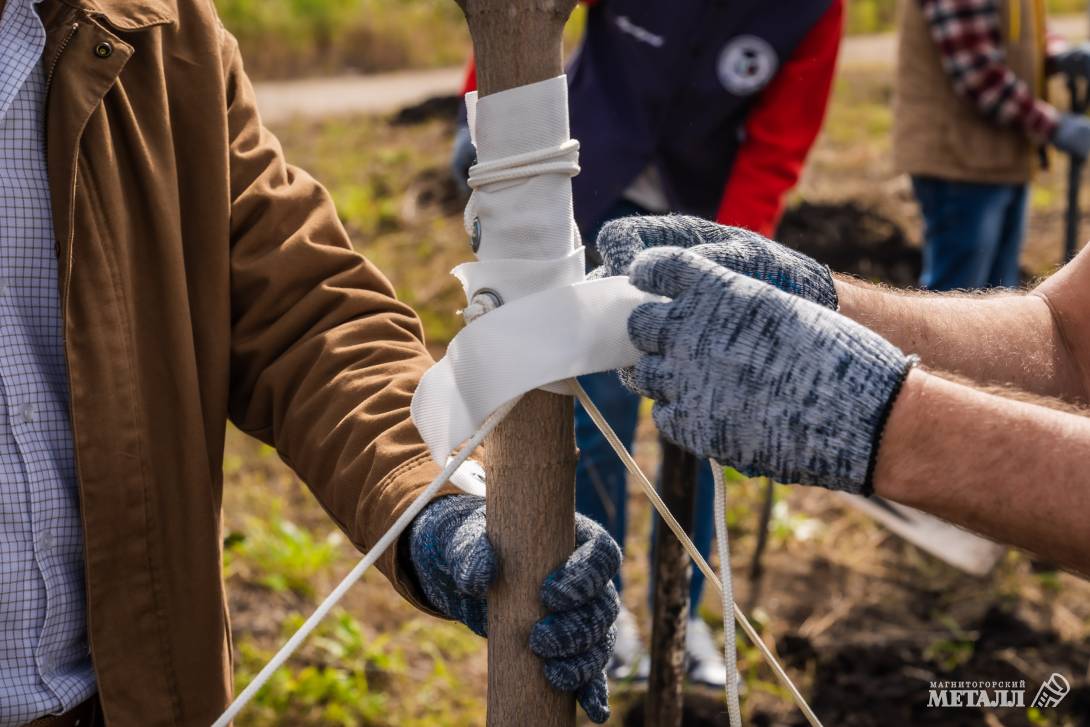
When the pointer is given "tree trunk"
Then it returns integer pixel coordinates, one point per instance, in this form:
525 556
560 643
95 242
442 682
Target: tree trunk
531 522
530 458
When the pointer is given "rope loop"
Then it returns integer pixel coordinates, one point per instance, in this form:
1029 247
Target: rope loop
560 159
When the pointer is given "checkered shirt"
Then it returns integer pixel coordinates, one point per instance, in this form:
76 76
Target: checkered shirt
45 664
969 36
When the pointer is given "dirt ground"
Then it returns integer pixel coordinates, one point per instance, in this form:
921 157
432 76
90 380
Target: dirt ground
863 621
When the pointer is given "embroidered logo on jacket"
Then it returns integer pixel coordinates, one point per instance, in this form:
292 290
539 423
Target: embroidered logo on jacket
639 33
746 65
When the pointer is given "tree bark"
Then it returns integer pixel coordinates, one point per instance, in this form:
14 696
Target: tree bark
531 522
530 458
672 572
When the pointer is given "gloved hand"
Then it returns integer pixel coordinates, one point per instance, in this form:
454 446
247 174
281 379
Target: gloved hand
1074 62
455 565
737 249
1073 135
463 155
765 382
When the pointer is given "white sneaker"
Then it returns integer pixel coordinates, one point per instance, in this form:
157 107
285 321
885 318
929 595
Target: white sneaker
703 656
630 660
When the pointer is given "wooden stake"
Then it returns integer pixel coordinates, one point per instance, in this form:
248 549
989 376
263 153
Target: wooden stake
530 458
665 685
756 565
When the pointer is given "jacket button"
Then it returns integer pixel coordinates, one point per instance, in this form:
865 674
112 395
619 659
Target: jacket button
105 49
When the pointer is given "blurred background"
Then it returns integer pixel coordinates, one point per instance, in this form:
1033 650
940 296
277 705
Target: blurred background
364 94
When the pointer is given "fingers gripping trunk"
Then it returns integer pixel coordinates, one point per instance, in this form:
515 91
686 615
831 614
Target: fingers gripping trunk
456 564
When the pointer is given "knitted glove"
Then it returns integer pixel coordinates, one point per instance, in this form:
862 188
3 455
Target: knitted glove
737 249
1074 62
1073 135
455 565
463 155
768 383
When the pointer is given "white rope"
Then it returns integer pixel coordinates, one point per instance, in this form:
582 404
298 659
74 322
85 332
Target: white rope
687 543
365 563
559 159
730 648
426 495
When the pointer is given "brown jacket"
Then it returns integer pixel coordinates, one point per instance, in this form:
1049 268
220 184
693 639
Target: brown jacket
203 279
937 133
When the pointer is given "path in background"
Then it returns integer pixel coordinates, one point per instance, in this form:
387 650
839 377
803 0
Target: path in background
374 94
386 92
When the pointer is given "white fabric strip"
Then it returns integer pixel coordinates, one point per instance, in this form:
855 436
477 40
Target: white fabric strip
539 339
550 325
514 278
521 206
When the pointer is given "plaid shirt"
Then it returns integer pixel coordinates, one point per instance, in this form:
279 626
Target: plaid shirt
969 36
45 665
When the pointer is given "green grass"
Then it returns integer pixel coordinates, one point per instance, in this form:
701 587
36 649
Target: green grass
285 38
348 675
294 38
279 554
336 687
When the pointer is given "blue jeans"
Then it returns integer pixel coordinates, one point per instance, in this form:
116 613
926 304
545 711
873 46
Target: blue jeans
972 233
600 478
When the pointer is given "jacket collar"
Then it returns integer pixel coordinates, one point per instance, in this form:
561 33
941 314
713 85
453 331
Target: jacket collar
129 14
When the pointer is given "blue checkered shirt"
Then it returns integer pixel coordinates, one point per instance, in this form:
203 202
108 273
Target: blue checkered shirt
45 663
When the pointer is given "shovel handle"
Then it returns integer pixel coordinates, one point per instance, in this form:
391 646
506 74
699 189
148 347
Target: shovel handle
1079 93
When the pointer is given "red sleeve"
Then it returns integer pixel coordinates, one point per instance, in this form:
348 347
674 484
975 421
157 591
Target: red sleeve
470 83
781 128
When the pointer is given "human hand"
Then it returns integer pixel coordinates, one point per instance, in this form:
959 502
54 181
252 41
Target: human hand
737 249
455 564
1073 135
1074 62
463 155
765 382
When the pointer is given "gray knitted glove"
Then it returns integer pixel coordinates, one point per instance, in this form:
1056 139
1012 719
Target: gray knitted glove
455 564
768 383
463 155
1072 135
735 248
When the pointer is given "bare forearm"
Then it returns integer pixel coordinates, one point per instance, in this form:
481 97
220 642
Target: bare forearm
1007 338
1010 470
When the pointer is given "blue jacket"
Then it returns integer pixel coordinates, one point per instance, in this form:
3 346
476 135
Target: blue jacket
670 84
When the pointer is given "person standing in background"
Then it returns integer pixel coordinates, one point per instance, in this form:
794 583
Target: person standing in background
971 123
700 107
164 270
